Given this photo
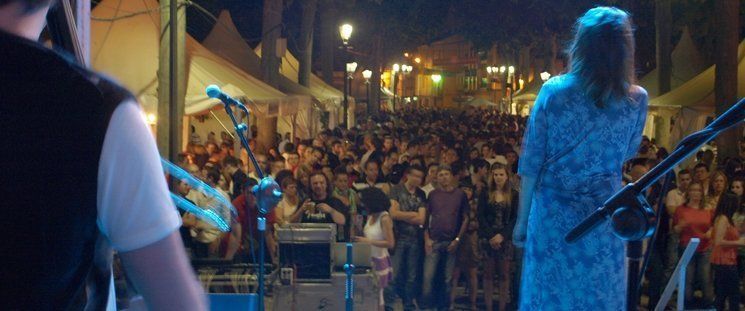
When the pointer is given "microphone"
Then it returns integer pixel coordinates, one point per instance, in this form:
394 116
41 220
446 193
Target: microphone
213 91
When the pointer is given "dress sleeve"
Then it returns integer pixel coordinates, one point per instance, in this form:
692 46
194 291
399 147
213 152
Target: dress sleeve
534 144
636 136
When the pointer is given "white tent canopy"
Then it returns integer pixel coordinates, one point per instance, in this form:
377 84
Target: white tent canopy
480 102
324 93
687 62
127 49
690 104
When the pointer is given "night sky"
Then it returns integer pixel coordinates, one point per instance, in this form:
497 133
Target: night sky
407 24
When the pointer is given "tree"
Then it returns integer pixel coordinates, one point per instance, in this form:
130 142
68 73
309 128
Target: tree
725 83
663 25
305 41
271 30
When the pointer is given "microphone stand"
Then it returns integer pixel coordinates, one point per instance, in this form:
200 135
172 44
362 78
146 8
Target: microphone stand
267 192
349 284
632 218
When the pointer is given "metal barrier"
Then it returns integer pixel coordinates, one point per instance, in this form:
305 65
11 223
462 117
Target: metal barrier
678 278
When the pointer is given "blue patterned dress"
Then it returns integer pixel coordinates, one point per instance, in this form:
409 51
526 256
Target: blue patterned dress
576 152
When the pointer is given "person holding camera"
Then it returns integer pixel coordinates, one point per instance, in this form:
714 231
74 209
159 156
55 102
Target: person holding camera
322 207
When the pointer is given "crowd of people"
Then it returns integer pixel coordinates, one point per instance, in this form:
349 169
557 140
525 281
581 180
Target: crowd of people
435 193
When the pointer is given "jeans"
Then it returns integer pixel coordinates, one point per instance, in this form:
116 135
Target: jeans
405 264
727 286
438 263
698 273
672 253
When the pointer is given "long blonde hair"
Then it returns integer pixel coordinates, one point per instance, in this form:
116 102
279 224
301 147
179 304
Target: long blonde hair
506 189
602 55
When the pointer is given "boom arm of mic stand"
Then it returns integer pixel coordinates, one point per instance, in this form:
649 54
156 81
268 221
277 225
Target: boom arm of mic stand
629 195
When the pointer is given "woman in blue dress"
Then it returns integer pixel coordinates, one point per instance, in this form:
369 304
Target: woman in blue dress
583 126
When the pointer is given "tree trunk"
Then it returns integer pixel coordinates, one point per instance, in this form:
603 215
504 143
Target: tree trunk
305 41
664 27
328 39
271 30
554 53
374 104
725 81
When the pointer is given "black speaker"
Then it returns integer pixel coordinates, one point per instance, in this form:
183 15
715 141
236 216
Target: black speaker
311 260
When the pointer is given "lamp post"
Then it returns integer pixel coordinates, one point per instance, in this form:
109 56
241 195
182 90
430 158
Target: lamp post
350 69
394 71
436 78
510 81
406 70
493 71
367 74
345 32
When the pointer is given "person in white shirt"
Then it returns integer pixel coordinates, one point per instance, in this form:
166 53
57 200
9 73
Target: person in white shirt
431 179
134 213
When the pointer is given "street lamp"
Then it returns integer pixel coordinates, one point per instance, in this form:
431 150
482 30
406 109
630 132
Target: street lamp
406 70
367 74
545 75
436 78
510 81
350 68
394 71
345 31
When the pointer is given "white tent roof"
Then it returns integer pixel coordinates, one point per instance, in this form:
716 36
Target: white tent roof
225 40
699 91
325 93
480 102
687 63
127 49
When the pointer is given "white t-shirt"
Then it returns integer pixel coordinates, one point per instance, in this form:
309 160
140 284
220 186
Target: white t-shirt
134 204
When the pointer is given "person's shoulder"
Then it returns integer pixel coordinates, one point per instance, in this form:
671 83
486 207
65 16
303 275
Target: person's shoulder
639 95
420 193
557 83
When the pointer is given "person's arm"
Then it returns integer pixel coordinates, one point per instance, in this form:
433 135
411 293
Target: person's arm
137 215
271 242
464 207
386 187
670 205
721 228
338 217
427 240
298 214
512 219
161 273
486 229
521 221
421 214
234 241
397 214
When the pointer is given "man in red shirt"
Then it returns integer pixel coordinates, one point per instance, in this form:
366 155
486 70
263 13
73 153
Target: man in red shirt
245 233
